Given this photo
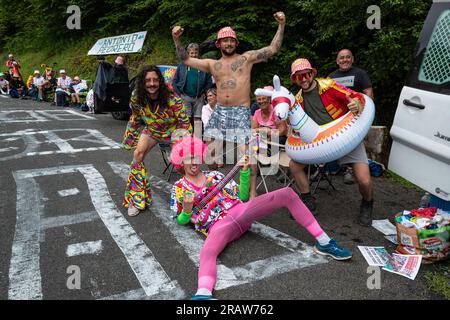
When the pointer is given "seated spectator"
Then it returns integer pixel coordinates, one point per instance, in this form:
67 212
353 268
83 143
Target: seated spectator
50 82
18 88
208 109
265 121
267 124
76 87
38 84
62 88
29 84
254 107
7 76
4 85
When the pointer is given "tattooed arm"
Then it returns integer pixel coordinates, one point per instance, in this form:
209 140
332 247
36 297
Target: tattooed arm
267 52
200 64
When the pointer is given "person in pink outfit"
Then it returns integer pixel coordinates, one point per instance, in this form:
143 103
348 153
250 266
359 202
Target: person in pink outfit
226 217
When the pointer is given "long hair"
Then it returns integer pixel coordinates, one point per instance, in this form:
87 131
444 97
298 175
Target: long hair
141 92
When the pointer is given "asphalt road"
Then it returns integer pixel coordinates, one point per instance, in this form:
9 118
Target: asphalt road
62 179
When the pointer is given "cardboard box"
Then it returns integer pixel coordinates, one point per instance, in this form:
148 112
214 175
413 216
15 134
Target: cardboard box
433 245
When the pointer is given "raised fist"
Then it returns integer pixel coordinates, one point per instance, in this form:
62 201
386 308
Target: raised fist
177 31
280 17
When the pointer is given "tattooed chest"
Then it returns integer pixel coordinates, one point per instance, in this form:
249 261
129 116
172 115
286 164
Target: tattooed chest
226 69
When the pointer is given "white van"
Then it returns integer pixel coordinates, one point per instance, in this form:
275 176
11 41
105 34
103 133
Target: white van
421 130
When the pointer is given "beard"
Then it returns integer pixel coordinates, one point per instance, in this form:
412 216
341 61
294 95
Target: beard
227 53
152 90
308 85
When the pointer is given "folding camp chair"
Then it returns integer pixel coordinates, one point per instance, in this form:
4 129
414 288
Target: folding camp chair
165 152
277 163
322 173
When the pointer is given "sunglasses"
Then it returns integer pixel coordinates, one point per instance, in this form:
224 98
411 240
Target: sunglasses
300 77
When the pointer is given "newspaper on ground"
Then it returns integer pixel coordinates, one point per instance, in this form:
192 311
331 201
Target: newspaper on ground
384 226
404 265
392 238
375 256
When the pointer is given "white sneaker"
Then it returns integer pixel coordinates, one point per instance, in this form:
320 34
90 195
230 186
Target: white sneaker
132 211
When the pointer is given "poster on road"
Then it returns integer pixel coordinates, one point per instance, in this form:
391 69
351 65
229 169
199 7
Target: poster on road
384 226
375 256
404 265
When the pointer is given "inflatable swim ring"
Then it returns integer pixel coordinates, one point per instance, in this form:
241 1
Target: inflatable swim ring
312 143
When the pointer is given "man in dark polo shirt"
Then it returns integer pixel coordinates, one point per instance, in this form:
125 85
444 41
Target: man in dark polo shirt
353 78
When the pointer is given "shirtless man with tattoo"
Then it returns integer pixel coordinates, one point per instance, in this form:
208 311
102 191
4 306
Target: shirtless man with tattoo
231 119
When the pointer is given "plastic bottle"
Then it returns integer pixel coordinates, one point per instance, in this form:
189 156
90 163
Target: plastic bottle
425 201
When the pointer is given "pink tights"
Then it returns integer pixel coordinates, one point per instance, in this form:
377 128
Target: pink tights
239 220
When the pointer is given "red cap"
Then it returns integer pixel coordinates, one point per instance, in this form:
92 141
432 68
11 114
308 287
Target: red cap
226 32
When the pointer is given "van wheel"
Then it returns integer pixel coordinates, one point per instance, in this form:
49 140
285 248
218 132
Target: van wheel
121 115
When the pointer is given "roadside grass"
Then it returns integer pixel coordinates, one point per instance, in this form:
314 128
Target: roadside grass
438 280
74 59
396 178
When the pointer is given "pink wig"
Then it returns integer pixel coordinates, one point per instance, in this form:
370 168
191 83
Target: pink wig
187 147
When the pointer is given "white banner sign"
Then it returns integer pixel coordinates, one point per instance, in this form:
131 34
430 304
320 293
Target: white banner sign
127 43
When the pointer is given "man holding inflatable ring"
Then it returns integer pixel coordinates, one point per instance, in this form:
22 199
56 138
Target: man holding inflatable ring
324 100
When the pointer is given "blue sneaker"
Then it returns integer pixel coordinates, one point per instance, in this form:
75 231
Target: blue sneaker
202 297
332 249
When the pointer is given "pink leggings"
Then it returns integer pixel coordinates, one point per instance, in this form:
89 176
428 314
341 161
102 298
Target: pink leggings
239 220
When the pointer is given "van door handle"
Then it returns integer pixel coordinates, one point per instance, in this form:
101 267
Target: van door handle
409 103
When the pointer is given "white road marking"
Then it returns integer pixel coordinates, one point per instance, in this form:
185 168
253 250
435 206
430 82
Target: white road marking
24 273
15 116
8 149
139 294
301 255
32 145
61 221
68 192
90 247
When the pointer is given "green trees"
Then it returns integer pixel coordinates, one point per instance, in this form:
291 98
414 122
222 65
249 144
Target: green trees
315 29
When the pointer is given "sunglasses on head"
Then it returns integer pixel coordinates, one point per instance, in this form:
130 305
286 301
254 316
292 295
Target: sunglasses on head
300 77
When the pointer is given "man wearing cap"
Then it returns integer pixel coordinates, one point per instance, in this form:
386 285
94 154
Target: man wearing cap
38 86
62 88
231 119
325 100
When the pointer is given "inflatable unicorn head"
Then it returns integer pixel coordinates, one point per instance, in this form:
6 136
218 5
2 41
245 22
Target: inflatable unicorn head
285 105
282 98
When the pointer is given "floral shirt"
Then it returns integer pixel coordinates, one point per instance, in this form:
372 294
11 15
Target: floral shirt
216 209
159 124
